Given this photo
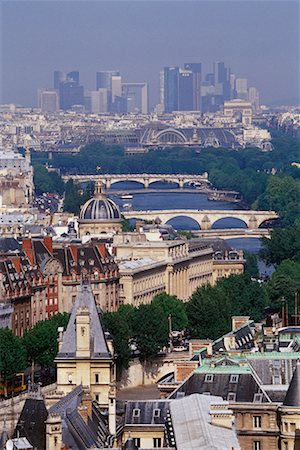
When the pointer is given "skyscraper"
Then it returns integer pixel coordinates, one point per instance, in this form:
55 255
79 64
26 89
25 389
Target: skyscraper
70 94
170 80
58 77
73 76
241 87
99 101
185 90
104 79
48 101
196 69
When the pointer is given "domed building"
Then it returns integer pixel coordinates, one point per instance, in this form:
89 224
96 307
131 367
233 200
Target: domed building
99 215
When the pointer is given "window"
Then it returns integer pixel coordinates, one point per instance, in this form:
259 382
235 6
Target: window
209 378
156 413
97 378
276 379
231 397
156 442
276 364
256 445
136 412
137 442
257 398
180 394
234 378
256 421
97 397
292 427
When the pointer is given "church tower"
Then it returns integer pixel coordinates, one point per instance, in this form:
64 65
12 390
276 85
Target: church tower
84 357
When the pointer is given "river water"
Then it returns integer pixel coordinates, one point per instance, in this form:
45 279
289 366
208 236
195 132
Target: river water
186 200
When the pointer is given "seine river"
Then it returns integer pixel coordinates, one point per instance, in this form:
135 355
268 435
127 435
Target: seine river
186 200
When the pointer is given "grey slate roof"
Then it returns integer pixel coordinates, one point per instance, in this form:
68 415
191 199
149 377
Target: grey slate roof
99 350
150 412
292 397
192 427
31 424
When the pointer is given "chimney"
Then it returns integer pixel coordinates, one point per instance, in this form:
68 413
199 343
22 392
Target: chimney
28 250
239 321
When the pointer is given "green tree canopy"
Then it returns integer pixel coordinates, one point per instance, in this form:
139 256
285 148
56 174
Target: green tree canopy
45 181
171 305
41 342
283 196
12 353
284 244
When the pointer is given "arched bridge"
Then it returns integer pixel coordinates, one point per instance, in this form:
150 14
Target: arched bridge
205 219
144 178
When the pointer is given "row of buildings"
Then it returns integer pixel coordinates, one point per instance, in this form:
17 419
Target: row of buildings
228 394
181 89
66 132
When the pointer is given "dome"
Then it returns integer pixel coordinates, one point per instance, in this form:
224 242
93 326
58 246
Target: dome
100 208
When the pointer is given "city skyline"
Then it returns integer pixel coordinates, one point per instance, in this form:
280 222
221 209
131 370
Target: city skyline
249 37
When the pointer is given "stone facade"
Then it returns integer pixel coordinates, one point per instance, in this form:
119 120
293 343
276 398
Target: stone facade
16 185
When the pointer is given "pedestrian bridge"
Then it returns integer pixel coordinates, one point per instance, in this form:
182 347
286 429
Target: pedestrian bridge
205 218
144 178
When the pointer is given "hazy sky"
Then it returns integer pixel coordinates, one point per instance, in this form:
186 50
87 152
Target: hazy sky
259 40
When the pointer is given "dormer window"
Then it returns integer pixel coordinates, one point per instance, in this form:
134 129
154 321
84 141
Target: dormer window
156 413
257 398
209 378
234 378
136 412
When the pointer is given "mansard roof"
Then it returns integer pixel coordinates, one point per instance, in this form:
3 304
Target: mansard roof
292 397
99 349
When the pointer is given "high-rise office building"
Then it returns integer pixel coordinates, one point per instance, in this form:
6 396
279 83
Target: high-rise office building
136 95
99 101
104 79
222 80
241 88
73 76
185 90
170 80
253 97
48 100
196 69
58 77
70 94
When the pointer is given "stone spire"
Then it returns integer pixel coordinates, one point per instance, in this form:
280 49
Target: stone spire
292 397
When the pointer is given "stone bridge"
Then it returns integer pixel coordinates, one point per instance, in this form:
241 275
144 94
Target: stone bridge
205 219
144 178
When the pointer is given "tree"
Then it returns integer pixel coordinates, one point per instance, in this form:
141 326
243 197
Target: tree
171 305
251 266
283 244
285 282
12 353
150 331
120 326
209 313
41 342
282 195
45 181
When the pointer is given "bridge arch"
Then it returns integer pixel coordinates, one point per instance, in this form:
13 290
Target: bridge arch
268 223
226 222
190 223
114 181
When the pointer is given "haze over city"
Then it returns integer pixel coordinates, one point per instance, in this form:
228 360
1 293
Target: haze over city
257 40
